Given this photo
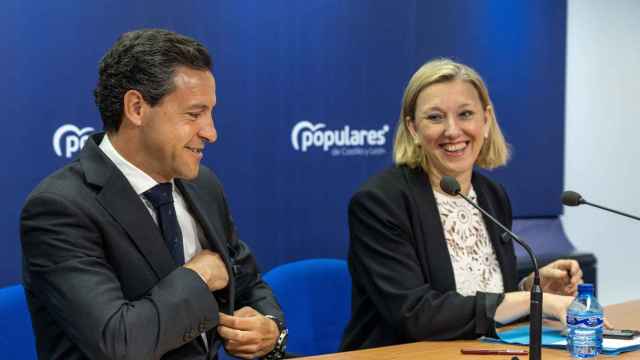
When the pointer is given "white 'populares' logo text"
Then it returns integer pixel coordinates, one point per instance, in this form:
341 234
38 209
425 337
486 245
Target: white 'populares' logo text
305 134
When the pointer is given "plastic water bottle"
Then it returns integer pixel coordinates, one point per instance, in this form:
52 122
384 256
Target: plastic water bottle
585 321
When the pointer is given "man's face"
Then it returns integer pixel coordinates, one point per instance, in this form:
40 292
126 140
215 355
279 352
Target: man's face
175 131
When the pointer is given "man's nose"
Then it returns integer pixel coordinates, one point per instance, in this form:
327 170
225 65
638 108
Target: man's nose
208 131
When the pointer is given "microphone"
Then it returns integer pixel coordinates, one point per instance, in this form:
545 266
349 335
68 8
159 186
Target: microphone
572 198
451 186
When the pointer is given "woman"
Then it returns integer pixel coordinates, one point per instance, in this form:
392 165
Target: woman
426 265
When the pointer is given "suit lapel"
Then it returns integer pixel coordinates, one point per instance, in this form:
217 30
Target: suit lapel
215 237
121 201
432 242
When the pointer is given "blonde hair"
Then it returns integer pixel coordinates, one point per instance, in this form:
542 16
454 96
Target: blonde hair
495 150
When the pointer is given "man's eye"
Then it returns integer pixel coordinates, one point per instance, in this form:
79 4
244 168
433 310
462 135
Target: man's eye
193 115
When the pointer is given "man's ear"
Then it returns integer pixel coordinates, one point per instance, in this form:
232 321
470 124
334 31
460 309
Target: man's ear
134 107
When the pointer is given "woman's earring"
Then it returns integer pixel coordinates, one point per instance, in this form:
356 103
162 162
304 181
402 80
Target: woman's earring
486 134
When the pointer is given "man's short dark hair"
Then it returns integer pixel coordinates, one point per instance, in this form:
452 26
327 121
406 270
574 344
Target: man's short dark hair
146 61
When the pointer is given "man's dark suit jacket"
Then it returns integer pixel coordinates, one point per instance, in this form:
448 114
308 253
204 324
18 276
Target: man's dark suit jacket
403 283
101 283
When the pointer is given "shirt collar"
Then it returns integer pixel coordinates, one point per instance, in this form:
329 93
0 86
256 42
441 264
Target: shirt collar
139 180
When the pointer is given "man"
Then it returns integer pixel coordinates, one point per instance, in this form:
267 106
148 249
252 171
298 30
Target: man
130 251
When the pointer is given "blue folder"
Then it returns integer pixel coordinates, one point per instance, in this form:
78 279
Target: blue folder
553 338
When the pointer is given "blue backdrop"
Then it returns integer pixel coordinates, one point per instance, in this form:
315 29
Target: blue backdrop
294 78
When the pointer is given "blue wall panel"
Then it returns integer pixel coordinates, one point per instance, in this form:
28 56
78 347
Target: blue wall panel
338 65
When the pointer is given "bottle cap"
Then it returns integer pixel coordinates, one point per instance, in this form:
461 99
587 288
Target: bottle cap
585 288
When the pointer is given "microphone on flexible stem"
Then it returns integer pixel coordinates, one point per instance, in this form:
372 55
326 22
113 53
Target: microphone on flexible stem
572 198
451 186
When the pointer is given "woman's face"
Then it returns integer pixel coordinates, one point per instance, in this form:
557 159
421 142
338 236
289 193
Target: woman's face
451 125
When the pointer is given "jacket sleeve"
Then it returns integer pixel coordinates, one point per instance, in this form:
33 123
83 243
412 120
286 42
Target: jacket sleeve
67 270
384 262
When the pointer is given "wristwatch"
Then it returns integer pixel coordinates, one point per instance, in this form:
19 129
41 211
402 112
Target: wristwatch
278 351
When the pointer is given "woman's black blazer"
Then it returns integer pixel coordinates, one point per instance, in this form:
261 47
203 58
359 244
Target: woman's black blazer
403 284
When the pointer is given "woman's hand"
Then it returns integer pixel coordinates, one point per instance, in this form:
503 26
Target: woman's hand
560 277
555 306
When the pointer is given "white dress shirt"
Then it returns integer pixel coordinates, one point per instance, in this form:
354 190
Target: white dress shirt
141 182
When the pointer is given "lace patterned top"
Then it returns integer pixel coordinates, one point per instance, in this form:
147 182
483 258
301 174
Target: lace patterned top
475 266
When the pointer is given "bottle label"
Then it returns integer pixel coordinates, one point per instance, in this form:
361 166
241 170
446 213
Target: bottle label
590 321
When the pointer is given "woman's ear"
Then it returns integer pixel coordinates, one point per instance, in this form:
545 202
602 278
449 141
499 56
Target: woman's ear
411 125
488 118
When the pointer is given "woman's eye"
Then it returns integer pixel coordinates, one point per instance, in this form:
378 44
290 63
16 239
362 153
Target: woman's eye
435 117
466 114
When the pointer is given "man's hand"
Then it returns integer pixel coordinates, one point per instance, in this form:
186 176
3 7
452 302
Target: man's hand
559 277
211 268
248 334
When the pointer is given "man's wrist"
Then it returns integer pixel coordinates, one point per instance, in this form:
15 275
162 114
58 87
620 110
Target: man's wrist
278 351
201 276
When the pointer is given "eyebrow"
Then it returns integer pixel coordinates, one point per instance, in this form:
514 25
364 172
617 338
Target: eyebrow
437 108
432 108
198 107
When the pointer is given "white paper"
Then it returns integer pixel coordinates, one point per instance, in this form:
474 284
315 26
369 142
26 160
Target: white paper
611 344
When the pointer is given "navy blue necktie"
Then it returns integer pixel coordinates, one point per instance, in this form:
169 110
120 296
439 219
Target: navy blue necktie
161 197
